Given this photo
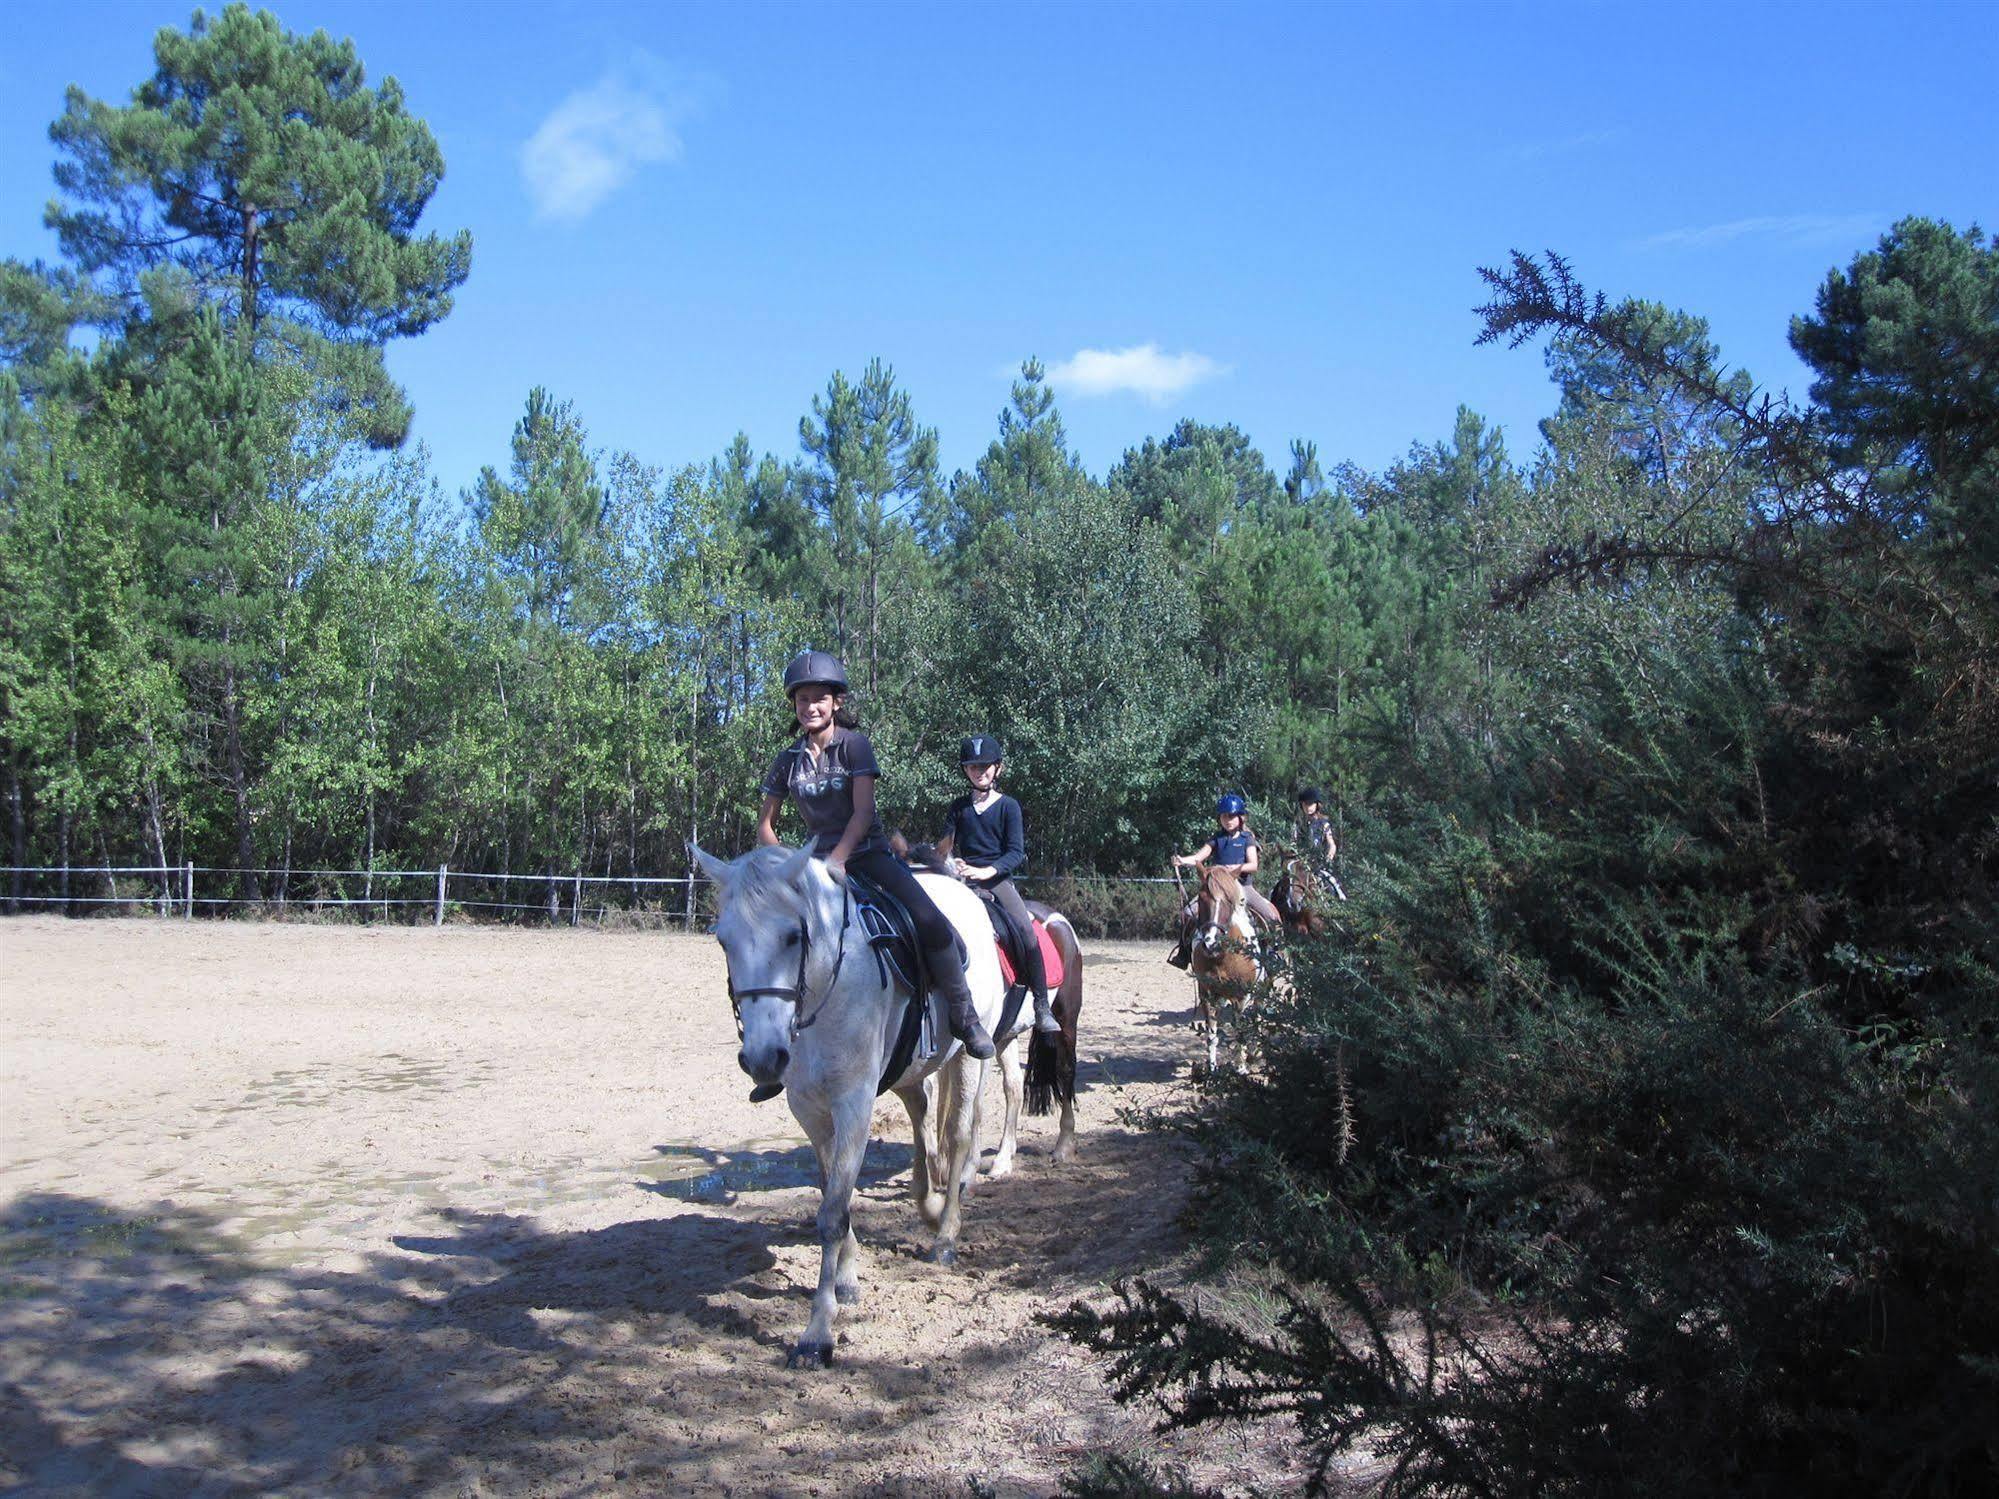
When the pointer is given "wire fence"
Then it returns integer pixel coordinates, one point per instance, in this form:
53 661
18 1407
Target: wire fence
1104 905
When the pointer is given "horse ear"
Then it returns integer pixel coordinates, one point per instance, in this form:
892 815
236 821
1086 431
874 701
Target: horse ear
721 871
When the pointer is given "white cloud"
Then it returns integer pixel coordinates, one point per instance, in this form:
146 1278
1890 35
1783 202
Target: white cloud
1142 370
592 143
1796 228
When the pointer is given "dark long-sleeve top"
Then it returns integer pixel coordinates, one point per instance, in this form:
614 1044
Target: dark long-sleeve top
996 837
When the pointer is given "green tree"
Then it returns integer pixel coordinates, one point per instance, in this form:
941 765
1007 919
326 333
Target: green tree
545 523
874 467
1904 348
257 169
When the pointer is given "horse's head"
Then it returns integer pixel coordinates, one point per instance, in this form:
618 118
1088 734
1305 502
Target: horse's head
780 929
1301 885
1215 908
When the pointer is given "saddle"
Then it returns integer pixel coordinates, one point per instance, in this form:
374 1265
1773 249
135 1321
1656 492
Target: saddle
891 934
1012 943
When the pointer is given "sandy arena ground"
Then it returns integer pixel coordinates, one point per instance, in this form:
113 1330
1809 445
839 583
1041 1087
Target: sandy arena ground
327 1209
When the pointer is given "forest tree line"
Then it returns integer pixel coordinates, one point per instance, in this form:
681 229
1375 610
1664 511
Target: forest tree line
246 628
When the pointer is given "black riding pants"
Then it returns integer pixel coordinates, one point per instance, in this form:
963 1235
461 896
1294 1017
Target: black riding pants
883 869
1008 895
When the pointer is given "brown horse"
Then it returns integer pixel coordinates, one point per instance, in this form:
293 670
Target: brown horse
1224 952
1297 897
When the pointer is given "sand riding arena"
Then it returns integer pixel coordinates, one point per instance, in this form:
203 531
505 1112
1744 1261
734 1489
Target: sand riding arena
360 1210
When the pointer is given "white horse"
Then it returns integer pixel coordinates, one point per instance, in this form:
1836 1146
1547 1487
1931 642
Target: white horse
815 1014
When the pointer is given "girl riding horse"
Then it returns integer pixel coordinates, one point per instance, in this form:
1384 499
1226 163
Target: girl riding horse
984 832
830 772
1234 848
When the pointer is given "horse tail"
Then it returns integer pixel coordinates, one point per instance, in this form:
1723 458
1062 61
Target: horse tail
1051 1059
1044 1072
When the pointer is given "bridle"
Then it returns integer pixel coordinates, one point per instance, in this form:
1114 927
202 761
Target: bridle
794 994
1221 911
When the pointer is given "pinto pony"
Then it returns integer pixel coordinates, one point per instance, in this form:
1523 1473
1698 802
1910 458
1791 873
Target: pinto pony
1224 962
817 1013
1049 1075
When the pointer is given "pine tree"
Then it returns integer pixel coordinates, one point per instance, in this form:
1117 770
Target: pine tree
258 171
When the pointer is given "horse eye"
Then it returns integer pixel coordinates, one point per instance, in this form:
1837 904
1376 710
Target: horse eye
791 939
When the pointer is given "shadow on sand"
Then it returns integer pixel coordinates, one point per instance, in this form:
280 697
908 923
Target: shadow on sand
149 1353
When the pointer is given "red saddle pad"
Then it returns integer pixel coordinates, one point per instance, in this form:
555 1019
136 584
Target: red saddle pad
1051 958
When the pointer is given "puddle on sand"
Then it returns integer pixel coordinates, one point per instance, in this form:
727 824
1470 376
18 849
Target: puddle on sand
700 1173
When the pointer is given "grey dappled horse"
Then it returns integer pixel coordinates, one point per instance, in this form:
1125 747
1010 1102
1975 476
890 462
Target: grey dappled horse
815 1014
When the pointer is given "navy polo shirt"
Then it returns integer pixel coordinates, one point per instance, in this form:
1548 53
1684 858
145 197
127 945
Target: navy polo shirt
1232 849
822 787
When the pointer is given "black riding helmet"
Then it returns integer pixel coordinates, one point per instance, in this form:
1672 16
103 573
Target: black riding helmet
980 749
1311 794
814 669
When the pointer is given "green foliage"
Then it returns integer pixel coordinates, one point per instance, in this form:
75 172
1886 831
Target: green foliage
1635 1134
258 170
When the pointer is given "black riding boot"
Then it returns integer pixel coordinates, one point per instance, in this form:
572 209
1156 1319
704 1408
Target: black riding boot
947 977
1044 1015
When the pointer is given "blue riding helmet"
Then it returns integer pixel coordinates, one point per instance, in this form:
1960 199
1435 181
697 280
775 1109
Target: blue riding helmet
1231 805
980 749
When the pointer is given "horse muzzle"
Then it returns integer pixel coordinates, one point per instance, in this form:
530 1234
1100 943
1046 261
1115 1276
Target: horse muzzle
766 1020
766 1064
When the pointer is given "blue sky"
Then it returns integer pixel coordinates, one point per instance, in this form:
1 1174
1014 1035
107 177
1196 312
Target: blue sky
686 217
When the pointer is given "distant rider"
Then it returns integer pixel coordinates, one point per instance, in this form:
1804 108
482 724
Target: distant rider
1320 846
1234 848
988 837
830 773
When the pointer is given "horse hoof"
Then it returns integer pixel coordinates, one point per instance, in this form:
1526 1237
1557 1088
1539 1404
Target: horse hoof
942 1254
846 1296
810 1356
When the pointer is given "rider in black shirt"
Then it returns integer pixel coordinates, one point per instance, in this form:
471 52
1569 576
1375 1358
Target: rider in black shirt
988 838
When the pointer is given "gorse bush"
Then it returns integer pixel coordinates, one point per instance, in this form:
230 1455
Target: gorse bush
1639 1136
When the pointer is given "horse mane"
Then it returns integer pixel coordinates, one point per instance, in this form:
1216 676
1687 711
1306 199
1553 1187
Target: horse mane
756 873
922 855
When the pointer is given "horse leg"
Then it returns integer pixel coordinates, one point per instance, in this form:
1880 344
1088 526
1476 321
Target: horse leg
925 1164
968 1163
958 1100
1065 1140
1011 1075
840 1156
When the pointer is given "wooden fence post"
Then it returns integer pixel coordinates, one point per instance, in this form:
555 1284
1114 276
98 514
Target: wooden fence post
189 915
442 870
576 901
